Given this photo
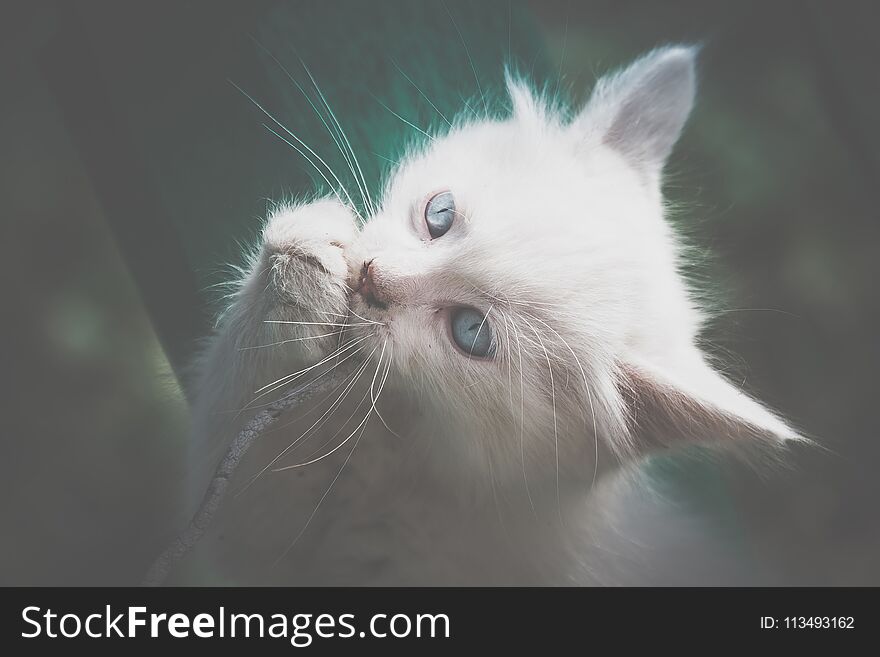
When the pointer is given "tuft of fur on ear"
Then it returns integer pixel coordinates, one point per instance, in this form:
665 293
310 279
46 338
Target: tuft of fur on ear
696 406
527 105
640 111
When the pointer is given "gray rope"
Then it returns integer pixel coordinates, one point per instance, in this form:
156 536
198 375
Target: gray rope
162 566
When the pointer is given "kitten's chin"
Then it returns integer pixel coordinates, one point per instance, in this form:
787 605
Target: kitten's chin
369 327
361 310
369 322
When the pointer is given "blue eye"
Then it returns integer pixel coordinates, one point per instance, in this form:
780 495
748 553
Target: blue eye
439 214
471 332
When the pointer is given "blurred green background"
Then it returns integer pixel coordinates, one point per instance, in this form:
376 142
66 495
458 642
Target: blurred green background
131 171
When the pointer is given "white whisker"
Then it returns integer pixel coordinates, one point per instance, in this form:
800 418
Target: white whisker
333 133
354 376
587 388
470 59
381 386
303 339
284 321
422 93
555 427
326 493
340 445
522 416
364 190
311 367
351 203
409 123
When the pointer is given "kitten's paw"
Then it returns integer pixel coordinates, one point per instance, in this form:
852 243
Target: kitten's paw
305 250
320 232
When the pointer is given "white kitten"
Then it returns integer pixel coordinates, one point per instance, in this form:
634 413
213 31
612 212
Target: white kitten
518 327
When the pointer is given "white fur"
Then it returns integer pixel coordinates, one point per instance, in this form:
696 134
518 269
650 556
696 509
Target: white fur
561 240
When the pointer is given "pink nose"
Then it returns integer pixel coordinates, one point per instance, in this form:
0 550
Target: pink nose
366 286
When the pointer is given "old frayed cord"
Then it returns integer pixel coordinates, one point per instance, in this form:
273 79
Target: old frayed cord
186 540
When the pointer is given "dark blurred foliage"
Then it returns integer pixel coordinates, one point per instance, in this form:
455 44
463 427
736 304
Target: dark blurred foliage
773 179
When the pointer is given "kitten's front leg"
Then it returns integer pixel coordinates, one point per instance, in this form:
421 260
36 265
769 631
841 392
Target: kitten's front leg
287 314
301 277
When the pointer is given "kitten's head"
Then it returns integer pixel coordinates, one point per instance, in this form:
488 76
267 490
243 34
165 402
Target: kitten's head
528 282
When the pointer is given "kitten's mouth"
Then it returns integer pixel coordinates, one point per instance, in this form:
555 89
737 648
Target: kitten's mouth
370 299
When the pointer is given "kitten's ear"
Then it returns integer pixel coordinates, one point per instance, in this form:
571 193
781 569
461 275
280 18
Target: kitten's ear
641 110
696 406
